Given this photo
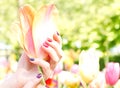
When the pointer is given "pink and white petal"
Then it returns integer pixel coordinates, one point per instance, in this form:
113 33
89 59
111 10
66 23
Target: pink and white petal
43 27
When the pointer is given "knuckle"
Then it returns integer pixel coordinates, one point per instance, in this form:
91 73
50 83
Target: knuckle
61 56
56 60
47 66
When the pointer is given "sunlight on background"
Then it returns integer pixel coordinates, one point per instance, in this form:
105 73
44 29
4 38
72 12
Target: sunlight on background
83 25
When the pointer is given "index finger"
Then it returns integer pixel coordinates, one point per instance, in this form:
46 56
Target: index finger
57 38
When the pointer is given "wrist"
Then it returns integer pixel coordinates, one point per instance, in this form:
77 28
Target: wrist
9 82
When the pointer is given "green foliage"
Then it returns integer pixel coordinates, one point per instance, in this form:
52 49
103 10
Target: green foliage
8 13
82 24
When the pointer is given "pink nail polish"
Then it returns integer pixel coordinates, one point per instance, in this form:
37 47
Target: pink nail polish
45 44
58 34
49 40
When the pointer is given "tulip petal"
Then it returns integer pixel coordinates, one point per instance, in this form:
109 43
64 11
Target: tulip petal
26 19
112 73
43 27
19 34
16 30
88 65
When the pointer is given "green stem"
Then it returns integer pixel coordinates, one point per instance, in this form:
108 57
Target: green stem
108 86
42 80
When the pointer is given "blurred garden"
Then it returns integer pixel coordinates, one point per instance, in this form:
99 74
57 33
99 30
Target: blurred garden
90 31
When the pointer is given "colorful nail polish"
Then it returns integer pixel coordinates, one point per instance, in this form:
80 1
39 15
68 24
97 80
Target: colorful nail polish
32 59
45 44
49 40
39 75
58 34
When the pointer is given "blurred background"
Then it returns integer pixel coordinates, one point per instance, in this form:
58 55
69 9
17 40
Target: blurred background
83 25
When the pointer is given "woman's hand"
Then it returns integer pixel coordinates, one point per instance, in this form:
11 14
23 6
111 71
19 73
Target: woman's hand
12 82
27 74
28 67
55 53
33 83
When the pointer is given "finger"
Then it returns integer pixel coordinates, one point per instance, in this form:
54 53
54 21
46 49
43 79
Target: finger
24 62
57 38
56 47
33 83
51 52
55 53
47 72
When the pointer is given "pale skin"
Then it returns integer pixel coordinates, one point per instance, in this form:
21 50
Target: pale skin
27 74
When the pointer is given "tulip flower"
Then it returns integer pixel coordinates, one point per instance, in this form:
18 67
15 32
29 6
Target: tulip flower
69 80
4 67
75 69
51 83
34 27
58 68
68 61
88 65
112 73
99 81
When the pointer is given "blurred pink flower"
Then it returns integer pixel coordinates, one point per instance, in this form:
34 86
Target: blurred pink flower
58 68
75 68
99 81
4 67
112 73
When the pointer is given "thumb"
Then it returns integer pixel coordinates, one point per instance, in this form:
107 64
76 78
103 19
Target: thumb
24 62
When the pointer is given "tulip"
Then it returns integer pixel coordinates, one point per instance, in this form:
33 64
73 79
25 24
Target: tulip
88 66
69 80
58 68
51 83
4 67
75 69
112 73
68 61
34 27
99 81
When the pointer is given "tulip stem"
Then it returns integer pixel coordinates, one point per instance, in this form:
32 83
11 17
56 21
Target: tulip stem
42 80
108 86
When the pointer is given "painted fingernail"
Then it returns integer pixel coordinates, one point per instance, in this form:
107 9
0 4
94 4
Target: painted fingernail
45 44
58 34
49 40
32 59
39 75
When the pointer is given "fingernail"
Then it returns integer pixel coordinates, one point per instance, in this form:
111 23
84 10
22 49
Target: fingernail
39 75
45 44
32 59
58 34
49 40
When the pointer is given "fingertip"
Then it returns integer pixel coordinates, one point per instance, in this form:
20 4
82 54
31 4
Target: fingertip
57 37
31 59
45 44
57 33
39 76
